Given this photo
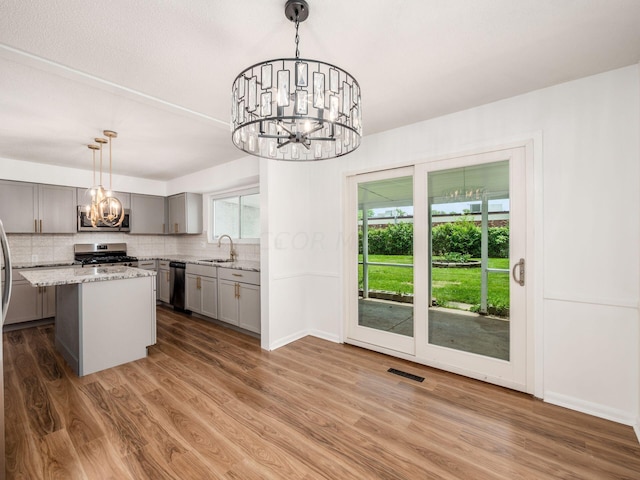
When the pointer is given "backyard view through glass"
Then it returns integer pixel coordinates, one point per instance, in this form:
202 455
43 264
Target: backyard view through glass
469 240
468 289
385 266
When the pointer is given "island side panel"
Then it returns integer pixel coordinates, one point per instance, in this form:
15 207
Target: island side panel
117 321
67 324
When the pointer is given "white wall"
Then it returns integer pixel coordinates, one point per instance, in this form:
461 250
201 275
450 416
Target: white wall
226 176
588 132
73 177
637 423
284 189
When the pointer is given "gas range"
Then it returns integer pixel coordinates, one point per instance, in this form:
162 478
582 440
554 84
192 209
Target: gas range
103 254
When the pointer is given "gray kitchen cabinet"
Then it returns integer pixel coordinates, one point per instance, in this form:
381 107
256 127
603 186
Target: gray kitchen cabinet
185 213
147 264
239 298
18 202
29 303
57 209
201 290
125 199
164 283
37 208
148 214
150 265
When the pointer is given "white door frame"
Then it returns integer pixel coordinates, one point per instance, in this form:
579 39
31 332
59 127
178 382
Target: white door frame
533 378
355 333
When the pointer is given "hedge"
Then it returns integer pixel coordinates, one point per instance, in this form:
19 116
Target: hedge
461 236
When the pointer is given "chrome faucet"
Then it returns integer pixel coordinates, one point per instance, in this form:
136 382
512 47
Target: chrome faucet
232 252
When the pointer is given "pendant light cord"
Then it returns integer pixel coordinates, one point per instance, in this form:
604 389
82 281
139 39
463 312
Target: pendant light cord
110 184
297 37
101 164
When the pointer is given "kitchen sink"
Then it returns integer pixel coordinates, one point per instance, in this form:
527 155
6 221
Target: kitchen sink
216 260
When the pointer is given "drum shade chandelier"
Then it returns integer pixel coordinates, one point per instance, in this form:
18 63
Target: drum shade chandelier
105 209
294 108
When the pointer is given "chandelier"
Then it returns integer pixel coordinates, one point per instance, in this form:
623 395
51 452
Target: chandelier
294 108
105 209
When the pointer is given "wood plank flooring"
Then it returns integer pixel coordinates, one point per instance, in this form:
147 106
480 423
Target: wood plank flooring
208 403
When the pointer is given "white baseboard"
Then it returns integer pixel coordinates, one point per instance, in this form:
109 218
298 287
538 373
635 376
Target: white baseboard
303 333
595 409
636 428
325 336
288 339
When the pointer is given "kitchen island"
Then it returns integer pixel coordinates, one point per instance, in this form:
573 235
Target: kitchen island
105 316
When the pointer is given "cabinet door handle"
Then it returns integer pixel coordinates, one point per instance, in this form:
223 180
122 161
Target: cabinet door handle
167 272
237 286
40 226
175 228
163 228
35 225
198 283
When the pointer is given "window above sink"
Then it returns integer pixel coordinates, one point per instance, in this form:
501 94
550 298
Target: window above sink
235 213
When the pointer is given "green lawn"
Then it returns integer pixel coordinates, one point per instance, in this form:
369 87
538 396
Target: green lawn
449 284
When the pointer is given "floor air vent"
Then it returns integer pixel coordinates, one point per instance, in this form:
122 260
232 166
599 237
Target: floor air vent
406 375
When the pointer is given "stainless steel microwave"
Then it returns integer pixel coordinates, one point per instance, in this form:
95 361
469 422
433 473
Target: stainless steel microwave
84 224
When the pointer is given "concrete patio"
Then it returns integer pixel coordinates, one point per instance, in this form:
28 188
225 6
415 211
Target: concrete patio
466 331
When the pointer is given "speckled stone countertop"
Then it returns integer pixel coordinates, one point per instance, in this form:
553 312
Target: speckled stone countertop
252 266
44 277
42 264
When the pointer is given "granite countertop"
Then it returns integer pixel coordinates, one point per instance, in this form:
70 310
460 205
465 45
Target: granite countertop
44 277
251 266
41 264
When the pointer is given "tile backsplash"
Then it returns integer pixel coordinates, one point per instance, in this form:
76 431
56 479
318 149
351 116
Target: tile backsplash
29 248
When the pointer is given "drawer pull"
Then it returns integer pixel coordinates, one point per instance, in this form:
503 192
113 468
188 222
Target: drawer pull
237 274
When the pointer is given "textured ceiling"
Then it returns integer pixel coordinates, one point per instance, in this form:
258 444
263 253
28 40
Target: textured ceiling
160 72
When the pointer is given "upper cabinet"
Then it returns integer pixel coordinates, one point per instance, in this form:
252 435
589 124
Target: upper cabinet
34 208
148 214
185 213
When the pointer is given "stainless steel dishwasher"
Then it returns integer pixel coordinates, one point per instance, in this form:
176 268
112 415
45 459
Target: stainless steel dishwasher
177 284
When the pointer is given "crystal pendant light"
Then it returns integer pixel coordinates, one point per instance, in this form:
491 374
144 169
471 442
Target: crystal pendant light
110 208
312 105
98 193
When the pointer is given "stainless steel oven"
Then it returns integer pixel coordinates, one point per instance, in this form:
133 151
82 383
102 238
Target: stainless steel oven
84 224
103 255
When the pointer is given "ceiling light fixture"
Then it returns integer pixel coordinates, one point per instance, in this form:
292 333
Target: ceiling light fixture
110 208
97 192
105 209
294 108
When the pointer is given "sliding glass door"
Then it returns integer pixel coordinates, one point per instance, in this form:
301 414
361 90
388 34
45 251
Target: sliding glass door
438 270
383 312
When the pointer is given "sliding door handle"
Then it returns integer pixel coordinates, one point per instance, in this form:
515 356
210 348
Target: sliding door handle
520 268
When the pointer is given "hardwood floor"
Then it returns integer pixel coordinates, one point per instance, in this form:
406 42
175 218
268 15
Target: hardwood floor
209 403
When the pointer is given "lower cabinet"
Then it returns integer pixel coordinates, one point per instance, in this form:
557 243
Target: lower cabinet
29 303
201 290
239 298
163 287
150 265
